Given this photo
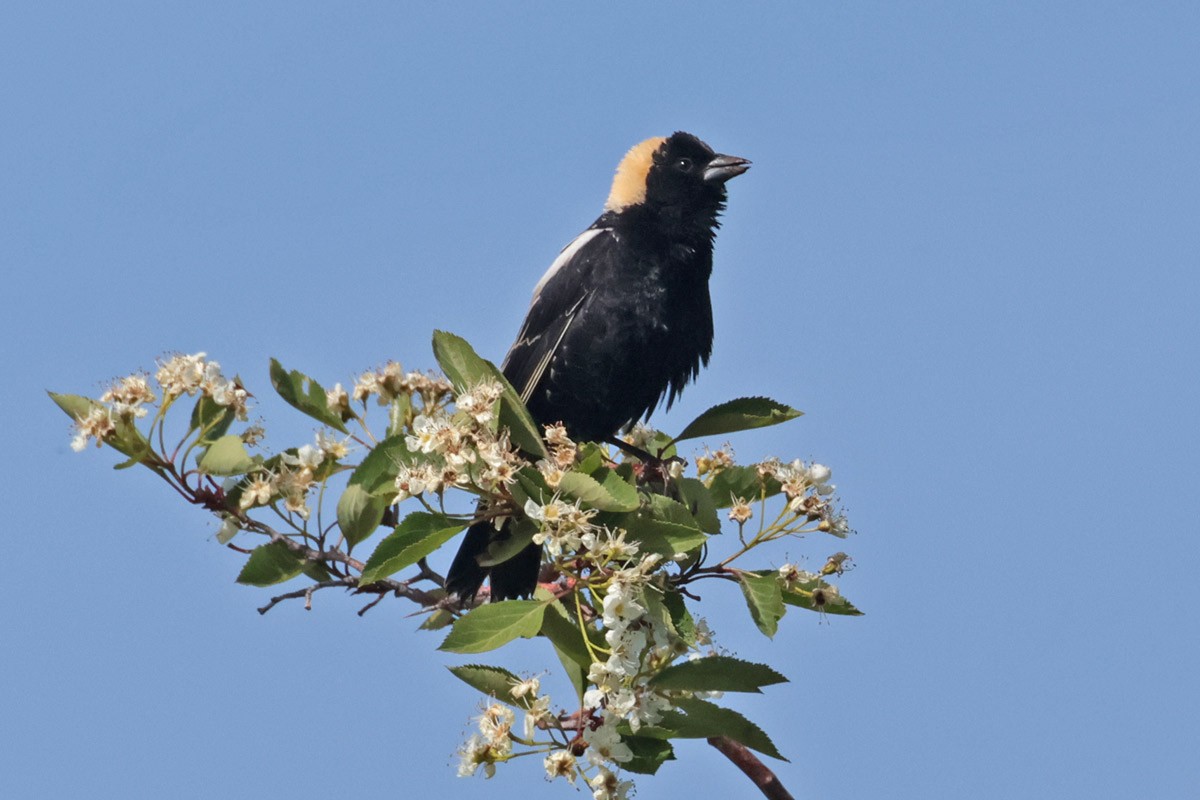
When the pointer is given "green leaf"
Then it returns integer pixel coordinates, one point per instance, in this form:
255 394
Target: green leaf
126 439
379 467
564 633
211 417
494 625
436 620
663 526
226 456
681 618
668 510
371 489
607 492
590 457
649 753
226 532
417 535
306 395
705 719
493 681
699 502
359 513
399 411
317 571
744 482
465 369
270 564
716 674
742 414
75 406
834 603
765 600
562 629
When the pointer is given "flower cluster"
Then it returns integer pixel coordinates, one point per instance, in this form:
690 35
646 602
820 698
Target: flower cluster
128 398
461 449
390 382
561 525
296 475
713 462
493 743
809 493
182 374
96 424
562 451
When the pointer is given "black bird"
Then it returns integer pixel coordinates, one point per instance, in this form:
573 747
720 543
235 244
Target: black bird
621 319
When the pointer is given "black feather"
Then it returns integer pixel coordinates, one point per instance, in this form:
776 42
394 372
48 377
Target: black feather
622 322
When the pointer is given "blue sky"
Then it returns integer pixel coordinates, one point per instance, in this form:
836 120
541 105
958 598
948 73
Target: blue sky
967 249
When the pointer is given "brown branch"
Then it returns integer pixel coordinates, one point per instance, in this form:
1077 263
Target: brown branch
758 772
306 593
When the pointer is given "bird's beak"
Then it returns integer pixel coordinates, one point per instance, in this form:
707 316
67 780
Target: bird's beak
722 168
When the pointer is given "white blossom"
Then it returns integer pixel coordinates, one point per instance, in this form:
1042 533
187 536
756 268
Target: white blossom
560 764
97 424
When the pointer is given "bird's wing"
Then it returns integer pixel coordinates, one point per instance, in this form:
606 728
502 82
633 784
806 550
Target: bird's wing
557 300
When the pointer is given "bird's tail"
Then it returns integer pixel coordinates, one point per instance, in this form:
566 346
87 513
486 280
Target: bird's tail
516 577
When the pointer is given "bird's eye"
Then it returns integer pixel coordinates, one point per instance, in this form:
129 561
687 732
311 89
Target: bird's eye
683 164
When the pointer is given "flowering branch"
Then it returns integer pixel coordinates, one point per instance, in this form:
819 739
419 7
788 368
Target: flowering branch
625 534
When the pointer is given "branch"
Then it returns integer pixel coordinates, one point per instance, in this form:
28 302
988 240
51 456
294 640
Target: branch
758 772
307 593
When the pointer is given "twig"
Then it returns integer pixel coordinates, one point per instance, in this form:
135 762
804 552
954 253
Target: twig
758 772
306 593
372 604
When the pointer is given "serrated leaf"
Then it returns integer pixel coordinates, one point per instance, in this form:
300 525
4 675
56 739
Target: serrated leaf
359 513
270 564
465 368
649 753
717 674
306 395
606 492
226 456
417 535
743 414
765 600
663 526
668 510
699 502
493 681
704 719
494 625
743 482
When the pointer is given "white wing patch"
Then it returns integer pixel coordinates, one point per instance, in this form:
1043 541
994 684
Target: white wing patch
566 255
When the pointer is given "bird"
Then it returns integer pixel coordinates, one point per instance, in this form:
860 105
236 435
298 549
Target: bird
620 321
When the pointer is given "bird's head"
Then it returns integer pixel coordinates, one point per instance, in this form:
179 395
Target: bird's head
677 172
